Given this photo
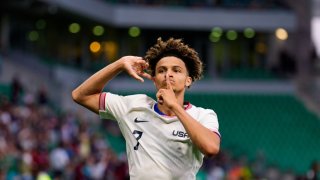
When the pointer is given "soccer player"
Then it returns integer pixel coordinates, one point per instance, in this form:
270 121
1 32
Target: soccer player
165 138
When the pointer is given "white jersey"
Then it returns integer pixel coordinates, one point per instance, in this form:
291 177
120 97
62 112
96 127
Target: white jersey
158 146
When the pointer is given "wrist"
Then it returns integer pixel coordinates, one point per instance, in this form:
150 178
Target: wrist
176 107
120 64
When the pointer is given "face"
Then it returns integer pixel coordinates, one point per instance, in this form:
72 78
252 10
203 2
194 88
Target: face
175 69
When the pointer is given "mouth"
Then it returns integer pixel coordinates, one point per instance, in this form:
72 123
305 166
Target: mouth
164 85
165 82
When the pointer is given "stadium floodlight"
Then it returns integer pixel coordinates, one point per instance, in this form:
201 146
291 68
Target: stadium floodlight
232 35
74 28
98 30
33 36
281 34
134 31
41 24
95 47
249 33
216 32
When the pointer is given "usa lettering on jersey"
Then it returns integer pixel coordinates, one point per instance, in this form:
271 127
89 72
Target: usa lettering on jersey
180 133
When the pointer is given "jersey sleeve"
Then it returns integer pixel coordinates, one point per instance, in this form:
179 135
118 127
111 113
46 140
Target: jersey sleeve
209 119
112 106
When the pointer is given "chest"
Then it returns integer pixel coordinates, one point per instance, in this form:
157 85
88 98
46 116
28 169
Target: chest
156 127
160 136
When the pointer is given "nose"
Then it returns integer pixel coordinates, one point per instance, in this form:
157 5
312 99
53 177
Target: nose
168 74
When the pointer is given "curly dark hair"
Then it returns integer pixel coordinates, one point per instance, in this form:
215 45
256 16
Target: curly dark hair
176 48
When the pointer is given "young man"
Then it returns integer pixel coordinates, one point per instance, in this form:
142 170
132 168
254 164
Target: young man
165 139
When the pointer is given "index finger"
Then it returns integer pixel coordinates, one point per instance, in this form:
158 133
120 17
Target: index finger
168 83
146 75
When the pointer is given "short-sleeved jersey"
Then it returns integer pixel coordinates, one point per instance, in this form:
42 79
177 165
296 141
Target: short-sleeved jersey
158 146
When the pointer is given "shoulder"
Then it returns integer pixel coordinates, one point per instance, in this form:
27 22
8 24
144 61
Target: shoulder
141 98
206 117
134 100
138 101
200 111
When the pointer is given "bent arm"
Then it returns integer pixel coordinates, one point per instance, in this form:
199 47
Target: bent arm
88 93
207 141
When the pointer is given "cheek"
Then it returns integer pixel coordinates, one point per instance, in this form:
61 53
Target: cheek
179 83
156 83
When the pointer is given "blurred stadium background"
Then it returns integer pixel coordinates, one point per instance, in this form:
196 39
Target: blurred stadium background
262 79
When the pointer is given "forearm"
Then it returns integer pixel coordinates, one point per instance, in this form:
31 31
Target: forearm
207 141
87 93
97 81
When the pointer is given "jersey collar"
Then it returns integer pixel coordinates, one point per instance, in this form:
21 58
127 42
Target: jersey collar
186 106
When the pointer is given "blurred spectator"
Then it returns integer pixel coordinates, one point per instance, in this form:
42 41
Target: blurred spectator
240 170
288 176
287 64
0 74
272 173
258 165
16 90
314 171
216 173
42 96
59 160
314 61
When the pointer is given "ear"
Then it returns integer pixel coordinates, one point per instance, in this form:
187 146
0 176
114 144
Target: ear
188 81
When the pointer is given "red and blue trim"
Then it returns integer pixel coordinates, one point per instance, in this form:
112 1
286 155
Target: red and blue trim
102 101
187 106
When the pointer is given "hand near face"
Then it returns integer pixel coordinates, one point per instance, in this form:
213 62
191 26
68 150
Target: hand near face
166 96
135 67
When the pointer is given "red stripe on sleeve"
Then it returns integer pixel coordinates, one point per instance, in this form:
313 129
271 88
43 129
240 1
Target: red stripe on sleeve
102 99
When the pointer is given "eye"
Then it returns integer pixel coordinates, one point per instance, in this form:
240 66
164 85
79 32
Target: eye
177 70
160 71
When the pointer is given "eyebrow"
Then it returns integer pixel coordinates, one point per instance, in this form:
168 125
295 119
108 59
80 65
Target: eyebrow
165 67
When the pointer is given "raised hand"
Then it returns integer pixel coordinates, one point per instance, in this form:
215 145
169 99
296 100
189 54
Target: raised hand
135 66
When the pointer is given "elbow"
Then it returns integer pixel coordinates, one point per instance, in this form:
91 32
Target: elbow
75 96
212 150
